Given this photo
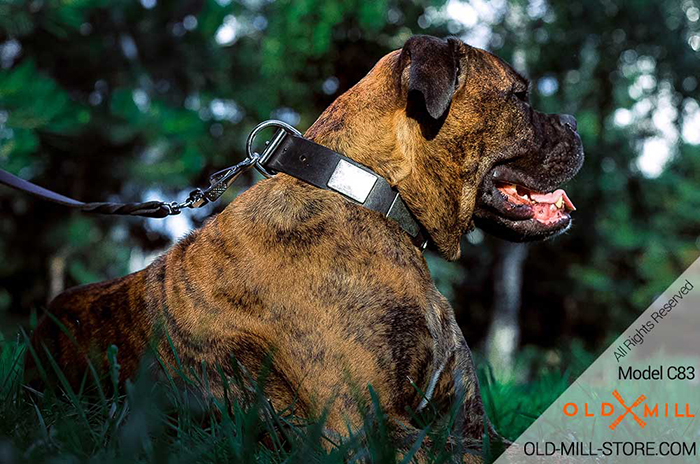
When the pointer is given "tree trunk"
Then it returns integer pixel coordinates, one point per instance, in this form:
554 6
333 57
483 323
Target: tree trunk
57 274
504 333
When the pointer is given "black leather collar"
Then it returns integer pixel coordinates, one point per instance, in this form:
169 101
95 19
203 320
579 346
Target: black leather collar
326 169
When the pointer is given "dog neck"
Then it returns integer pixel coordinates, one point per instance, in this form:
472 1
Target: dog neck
390 144
368 124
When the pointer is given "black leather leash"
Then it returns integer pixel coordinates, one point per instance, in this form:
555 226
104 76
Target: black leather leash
286 152
155 209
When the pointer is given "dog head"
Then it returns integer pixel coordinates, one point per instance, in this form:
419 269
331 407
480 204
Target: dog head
451 127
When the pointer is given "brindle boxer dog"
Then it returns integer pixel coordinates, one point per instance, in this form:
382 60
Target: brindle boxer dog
339 293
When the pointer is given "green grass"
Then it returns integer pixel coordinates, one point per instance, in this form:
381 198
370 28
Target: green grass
163 421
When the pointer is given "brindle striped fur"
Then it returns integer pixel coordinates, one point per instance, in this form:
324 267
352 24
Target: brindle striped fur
337 292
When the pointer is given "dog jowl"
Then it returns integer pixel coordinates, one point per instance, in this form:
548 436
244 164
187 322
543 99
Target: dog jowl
338 293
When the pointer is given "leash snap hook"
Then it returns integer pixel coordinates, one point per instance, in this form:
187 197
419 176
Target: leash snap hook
271 145
220 181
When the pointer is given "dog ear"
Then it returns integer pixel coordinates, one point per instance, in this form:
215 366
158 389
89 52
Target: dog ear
432 76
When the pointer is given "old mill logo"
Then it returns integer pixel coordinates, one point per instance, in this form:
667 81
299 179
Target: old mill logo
633 410
638 401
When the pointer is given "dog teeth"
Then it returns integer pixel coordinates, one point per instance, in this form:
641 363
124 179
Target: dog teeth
559 203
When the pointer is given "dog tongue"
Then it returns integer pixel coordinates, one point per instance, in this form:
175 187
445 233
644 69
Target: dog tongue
553 197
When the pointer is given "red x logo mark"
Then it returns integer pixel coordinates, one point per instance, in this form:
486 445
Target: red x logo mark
639 401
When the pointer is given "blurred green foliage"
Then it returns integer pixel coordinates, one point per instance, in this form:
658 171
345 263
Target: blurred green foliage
102 100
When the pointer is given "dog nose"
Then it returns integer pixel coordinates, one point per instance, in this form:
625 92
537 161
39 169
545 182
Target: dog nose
568 120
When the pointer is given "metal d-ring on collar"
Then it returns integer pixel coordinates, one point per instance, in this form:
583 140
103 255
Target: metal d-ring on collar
270 146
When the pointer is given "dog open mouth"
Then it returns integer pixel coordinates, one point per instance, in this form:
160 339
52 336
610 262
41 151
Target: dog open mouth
547 208
518 213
